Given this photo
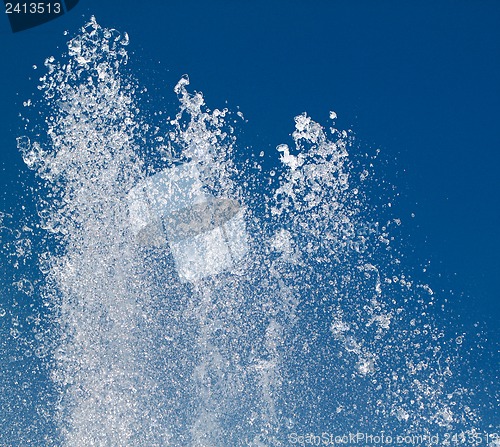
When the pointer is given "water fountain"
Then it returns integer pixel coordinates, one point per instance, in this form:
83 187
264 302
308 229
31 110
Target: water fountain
180 316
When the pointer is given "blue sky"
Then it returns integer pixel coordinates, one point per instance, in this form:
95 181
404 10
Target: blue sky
419 81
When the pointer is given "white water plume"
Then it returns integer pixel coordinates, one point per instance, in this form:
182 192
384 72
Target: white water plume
304 327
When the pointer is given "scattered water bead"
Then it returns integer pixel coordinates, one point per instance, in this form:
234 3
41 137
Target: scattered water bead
45 263
402 415
338 327
125 39
23 144
366 366
14 333
23 247
155 360
24 285
32 154
351 345
41 352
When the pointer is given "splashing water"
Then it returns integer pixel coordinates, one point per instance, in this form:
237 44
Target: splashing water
315 329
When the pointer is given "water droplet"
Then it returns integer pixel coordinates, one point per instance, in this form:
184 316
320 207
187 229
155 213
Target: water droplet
14 333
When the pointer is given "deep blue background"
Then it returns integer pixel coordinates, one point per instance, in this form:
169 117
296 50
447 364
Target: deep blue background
419 80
